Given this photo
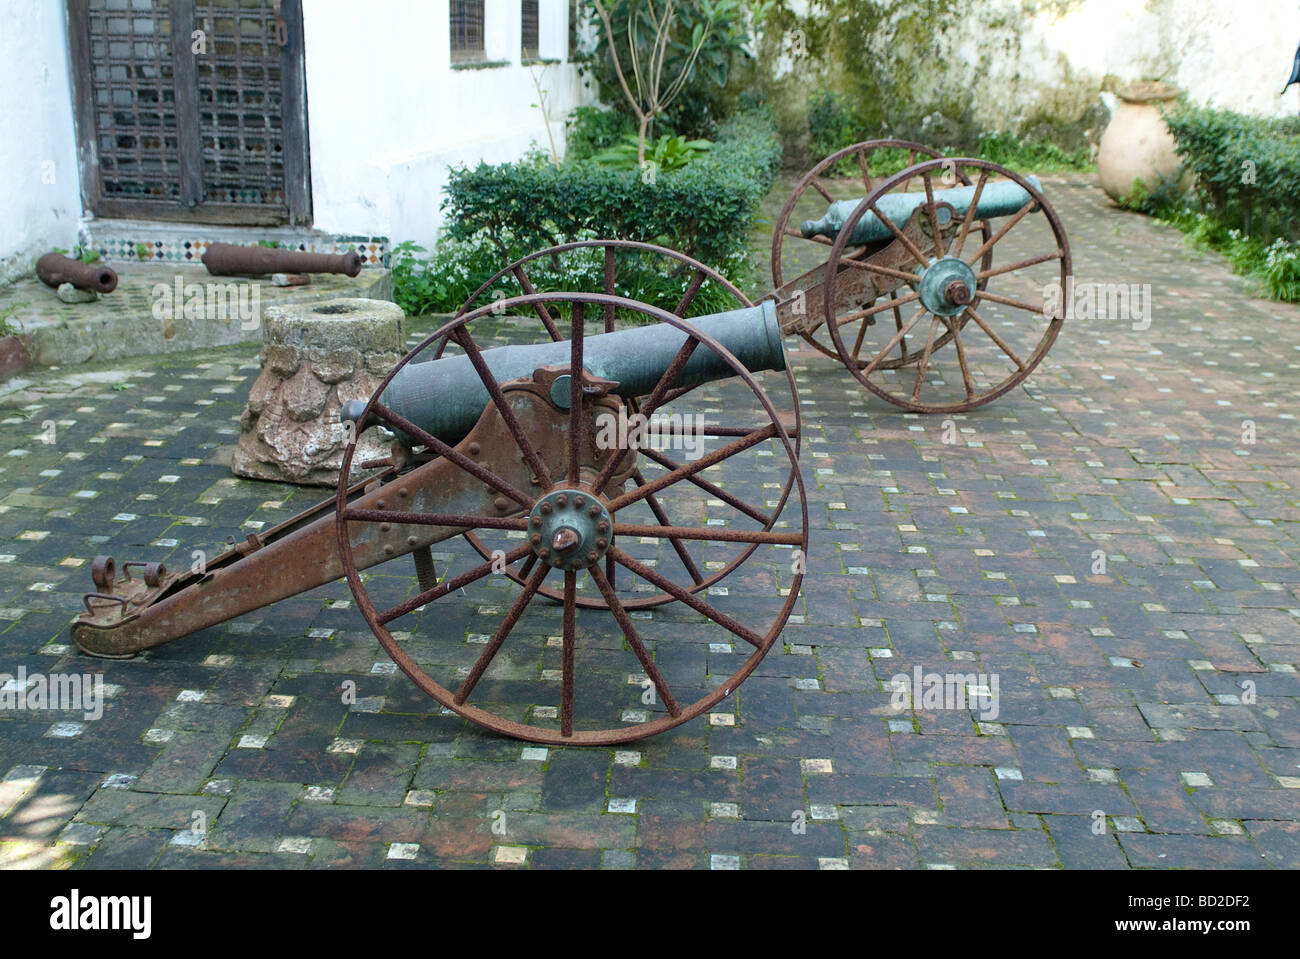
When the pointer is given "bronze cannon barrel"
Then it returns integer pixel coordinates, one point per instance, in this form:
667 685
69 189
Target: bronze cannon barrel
446 397
55 270
228 259
1002 198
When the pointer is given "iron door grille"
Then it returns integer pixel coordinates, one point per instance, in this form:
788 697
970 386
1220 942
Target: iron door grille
192 111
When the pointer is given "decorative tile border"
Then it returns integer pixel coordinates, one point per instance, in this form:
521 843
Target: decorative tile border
122 241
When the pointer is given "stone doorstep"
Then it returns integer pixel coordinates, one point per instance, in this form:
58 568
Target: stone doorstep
123 324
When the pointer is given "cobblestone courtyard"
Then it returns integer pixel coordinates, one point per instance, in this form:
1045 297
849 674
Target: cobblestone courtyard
1116 543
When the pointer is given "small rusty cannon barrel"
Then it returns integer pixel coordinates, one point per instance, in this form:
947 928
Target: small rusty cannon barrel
446 397
1002 198
55 270
227 259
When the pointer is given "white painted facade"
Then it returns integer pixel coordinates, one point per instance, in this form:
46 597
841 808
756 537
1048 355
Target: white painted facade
381 146
1229 54
40 191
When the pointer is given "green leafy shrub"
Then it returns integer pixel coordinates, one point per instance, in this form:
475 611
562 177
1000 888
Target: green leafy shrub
1010 151
703 209
1247 169
667 153
446 278
831 124
498 214
591 129
1246 200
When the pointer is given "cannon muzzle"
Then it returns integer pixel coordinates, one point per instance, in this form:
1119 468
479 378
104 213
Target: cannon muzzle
55 270
1002 198
227 259
446 397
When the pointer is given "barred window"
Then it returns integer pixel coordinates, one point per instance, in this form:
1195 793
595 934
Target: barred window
575 11
531 48
466 30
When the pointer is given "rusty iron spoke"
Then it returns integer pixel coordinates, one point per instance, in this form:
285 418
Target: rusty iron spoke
489 381
690 469
900 236
955 329
889 271
498 638
1002 231
894 341
817 185
634 640
970 214
542 312
925 358
717 534
877 308
992 334
1011 268
656 399
402 424
711 488
451 585
1038 308
566 674
911 162
862 335
611 281
662 516
866 172
690 599
898 324
688 297
934 214
455 520
579 319
815 238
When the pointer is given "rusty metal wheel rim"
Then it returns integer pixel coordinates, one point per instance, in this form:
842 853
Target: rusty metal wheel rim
702 273
969 318
599 737
812 179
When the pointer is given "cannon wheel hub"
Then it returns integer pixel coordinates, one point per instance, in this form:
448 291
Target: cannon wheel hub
942 283
569 529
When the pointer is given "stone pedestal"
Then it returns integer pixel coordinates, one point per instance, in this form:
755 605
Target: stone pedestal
315 358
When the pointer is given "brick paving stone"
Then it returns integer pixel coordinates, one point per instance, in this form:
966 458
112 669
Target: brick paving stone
1080 845
1004 847
1187 852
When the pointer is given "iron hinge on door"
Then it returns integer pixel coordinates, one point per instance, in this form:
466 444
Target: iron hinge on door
281 27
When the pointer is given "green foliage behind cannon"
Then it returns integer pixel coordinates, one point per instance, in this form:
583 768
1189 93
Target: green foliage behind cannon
498 214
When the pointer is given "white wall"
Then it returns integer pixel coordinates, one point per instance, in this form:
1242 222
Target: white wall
388 116
1231 54
40 190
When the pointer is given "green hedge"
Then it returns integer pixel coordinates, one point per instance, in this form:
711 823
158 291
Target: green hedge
1247 168
704 209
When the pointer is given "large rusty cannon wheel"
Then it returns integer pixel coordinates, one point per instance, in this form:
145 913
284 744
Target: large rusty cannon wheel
869 160
996 318
573 520
610 255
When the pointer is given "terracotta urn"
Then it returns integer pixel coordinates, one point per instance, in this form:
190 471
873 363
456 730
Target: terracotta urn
1137 144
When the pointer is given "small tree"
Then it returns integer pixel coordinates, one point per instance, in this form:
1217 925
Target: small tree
661 63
